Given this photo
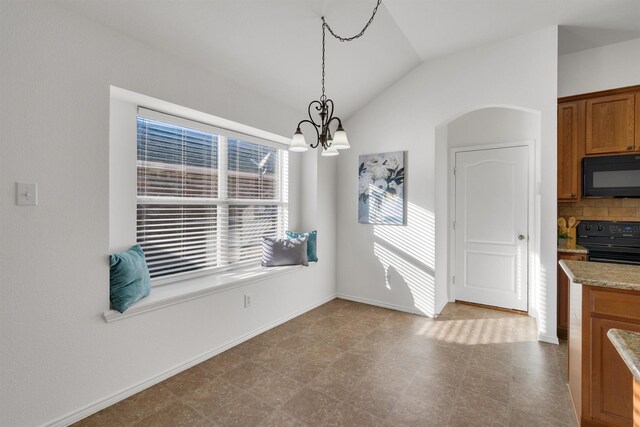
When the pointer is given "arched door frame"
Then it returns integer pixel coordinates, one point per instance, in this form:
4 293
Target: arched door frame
443 212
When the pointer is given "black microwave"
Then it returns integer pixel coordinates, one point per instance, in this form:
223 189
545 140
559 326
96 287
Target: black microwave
611 176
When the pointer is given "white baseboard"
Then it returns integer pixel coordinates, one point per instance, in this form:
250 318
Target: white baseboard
548 338
411 310
105 403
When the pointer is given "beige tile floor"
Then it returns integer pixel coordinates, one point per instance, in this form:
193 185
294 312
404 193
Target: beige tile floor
350 364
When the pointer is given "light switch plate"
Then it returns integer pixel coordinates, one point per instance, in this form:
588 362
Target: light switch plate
26 194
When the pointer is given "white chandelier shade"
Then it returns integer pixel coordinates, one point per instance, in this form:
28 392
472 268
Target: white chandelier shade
298 143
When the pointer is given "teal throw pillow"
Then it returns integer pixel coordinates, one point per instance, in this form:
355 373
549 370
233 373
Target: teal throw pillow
312 240
129 278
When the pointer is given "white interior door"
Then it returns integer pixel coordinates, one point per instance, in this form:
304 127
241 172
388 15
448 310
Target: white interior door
491 237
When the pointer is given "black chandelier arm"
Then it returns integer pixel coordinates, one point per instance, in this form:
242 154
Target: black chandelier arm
325 109
329 112
315 127
334 118
318 108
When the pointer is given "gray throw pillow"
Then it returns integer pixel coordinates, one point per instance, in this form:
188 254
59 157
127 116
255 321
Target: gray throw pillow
276 252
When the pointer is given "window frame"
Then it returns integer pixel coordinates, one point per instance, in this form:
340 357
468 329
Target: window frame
222 199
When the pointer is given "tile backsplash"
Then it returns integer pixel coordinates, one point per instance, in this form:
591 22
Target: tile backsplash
602 209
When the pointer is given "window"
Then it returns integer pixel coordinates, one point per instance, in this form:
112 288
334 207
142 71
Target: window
205 196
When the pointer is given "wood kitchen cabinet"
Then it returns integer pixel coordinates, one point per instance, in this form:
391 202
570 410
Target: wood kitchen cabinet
600 383
611 388
594 124
563 293
570 123
610 124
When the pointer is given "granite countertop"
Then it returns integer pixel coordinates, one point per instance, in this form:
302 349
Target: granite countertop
628 345
577 249
619 276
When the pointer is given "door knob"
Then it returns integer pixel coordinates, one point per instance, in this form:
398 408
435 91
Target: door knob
629 147
520 236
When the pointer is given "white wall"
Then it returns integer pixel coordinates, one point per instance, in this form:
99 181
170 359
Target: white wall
606 67
57 355
493 125
519 72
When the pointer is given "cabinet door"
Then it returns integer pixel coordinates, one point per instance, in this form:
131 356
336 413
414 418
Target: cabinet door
611 380
610 124
568 153
637 123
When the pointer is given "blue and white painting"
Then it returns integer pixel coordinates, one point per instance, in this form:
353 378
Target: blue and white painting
381 188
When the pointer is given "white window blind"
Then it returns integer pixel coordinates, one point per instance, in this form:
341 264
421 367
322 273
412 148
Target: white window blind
206 197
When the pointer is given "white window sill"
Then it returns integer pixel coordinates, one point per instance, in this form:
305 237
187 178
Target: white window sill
174 293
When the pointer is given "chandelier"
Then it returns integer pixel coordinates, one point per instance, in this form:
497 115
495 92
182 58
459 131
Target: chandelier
323 109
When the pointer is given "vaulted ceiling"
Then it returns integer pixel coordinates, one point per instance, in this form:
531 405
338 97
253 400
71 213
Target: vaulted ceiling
273 47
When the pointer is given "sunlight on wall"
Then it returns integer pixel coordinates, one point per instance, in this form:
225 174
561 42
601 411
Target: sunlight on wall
411 251
418 279
542 303
534 261
417 239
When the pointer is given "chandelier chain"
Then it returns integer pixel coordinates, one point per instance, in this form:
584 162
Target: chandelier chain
348 39
342 39
323 95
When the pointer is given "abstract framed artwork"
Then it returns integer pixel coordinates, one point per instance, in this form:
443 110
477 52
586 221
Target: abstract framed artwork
381 188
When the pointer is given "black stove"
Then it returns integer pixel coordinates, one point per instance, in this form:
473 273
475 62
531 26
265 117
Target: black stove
610 241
